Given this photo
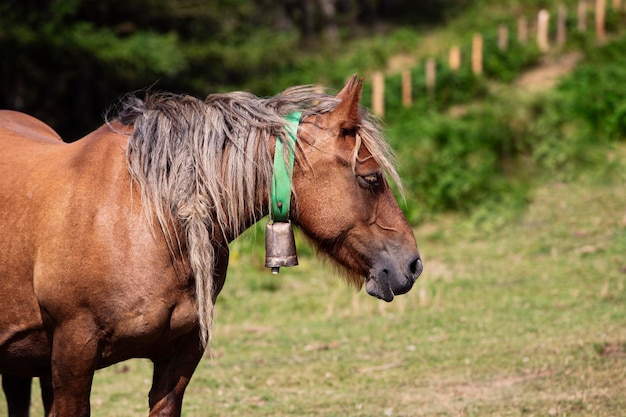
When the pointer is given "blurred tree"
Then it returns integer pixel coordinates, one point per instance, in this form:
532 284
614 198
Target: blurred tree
66 61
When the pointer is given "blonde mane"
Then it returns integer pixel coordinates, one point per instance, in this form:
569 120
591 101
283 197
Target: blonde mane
205 166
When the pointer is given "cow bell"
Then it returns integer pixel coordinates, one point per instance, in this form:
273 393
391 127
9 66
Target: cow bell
280 246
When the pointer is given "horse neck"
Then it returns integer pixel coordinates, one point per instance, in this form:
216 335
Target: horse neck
249 221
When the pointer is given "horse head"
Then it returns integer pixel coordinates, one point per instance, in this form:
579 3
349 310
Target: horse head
344 203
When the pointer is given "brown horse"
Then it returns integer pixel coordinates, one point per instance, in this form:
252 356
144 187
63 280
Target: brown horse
116 246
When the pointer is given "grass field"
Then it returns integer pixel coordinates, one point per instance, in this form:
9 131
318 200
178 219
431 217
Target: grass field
523 317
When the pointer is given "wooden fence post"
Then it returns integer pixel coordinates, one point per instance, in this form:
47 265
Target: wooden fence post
454 58
407 91
600 21
522 30
503 37
543 23
431 75
561 28
582 15
477 54
378 94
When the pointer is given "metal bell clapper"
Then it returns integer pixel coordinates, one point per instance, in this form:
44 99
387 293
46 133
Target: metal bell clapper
280 246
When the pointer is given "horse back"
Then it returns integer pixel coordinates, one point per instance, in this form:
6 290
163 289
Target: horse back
14 124
56 195
28 148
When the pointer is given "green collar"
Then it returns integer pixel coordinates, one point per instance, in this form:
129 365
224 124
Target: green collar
280 194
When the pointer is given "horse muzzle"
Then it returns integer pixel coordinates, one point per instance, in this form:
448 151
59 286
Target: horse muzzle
389 279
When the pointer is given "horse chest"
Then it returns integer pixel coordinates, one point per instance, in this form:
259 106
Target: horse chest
24 349
147 330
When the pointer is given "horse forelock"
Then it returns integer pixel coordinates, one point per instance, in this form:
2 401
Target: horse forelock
206 166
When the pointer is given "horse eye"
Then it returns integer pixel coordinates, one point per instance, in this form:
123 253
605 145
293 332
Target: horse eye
369 181
348 131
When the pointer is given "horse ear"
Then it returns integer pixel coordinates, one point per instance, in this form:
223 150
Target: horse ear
347 111
348 87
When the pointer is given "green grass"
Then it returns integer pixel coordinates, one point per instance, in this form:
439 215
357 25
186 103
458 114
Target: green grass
521 317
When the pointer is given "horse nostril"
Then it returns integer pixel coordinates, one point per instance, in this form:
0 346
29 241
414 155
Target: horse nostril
416 267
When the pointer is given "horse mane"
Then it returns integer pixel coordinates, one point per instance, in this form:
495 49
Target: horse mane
204 167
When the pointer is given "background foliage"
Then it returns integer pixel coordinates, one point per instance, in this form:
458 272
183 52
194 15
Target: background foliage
67 60
474 141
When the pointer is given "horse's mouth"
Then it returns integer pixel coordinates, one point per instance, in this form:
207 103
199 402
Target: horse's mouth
378 289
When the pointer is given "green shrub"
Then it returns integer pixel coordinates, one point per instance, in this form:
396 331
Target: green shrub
597 91
494 153
508 64
458 87
447 163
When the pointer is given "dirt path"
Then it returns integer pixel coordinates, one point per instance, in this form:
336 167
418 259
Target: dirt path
543 77
548 73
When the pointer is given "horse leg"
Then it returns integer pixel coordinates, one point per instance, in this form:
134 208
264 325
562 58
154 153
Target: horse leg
171 376
17 392
46 394
74 351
